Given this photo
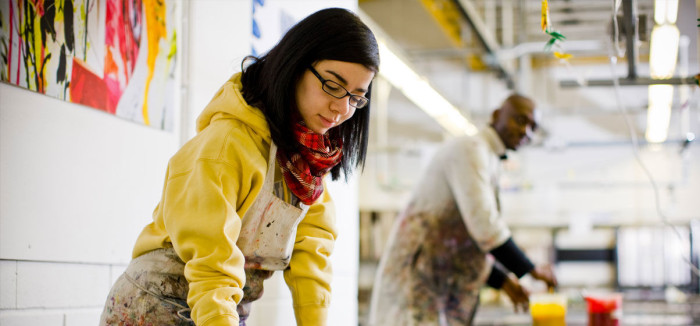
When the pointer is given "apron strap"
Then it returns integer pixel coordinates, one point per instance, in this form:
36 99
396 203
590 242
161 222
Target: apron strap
271 163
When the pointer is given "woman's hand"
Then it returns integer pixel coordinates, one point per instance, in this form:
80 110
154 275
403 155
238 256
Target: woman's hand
517 294
545 273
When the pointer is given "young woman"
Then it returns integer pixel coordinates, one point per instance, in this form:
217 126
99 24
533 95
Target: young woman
245 196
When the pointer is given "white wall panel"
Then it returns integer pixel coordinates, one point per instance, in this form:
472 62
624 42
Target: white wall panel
77 184
8 284
83 317
116 271
56 285
220 36
31 317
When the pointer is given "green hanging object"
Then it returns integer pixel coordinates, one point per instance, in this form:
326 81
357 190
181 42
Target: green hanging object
549 44
555 36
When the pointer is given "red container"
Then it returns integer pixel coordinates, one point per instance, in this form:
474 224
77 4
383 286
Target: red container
604 309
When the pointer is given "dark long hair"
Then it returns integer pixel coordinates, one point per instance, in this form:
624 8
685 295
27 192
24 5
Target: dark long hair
269 82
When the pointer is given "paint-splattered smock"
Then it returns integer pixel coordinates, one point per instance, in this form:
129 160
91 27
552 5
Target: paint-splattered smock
211 183
436 258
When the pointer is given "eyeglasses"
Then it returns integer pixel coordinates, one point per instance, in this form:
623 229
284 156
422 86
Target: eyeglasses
336 90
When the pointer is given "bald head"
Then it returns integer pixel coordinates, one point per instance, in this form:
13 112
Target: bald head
515 121
517 101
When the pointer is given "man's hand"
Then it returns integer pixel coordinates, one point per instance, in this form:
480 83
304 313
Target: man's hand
517 294
545 274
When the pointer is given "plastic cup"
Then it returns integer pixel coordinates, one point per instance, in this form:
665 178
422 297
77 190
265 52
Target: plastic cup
548 309
604 309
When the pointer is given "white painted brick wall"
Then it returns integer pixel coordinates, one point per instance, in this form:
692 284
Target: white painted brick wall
50 317
115 272
49 293
31 318
8 284
58 285
83 317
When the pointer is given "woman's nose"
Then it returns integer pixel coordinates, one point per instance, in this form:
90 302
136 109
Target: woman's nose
342 106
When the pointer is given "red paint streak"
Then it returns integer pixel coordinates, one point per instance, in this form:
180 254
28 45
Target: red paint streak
266 209
122 36
19 57
38 7
89 89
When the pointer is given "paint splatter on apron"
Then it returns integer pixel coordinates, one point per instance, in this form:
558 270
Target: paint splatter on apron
431 273
153 289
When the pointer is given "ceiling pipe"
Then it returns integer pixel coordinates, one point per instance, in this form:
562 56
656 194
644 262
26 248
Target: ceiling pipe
489 42
629 11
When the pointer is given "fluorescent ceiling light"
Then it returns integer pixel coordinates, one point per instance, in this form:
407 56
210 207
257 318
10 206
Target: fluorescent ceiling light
665 11
419 91
400 75
664 51
659 114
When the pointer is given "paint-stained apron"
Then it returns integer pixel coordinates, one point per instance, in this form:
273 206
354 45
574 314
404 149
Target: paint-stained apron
153 289
267 235
431 272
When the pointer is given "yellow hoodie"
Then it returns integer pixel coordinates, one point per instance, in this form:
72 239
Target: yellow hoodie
210 183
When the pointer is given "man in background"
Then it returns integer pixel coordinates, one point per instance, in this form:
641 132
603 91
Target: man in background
441 248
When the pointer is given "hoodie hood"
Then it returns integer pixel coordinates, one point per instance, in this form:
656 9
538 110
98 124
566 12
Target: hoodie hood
228 103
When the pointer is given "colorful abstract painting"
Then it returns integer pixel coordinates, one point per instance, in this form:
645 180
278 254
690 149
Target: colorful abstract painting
113 55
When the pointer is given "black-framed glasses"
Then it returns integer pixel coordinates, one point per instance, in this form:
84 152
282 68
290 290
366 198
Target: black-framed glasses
338 91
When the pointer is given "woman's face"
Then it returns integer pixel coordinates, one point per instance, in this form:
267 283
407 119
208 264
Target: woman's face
321 111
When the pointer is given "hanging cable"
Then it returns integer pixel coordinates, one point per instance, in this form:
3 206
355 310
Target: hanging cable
635 151
616 30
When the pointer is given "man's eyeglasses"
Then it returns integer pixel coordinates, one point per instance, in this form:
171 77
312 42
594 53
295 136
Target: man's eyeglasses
336 90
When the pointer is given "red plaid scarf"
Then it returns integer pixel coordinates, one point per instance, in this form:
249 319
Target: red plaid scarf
303 171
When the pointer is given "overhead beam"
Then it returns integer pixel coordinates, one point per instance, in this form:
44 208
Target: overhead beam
446 15
471 15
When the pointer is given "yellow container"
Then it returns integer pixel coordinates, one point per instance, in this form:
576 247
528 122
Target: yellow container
548 309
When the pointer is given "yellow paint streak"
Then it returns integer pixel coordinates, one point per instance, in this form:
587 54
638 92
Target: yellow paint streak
83 12
545 16
59 13
155 21
173 47
39 55
448 17
561 55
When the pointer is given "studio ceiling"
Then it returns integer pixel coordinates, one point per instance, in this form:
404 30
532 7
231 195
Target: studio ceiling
449 49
